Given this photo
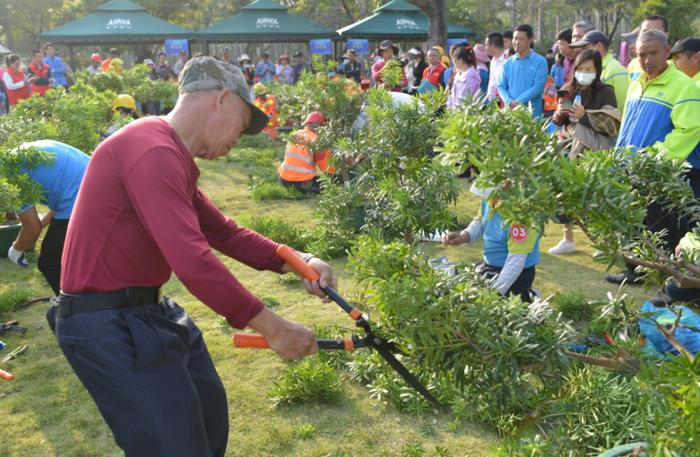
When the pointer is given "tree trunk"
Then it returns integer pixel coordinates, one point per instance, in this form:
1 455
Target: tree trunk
540 23
436 10
348 11
7 30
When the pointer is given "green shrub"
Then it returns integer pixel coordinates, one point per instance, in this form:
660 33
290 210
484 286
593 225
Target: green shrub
671 400
134 81
307 381
604 193
398 190
491 359
595 411
75 118
274 191
12 299
574 306
278 230
16 188
305 431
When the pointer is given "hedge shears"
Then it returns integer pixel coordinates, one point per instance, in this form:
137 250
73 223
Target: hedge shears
385 348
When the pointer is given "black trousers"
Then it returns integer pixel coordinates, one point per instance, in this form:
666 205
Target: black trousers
313 186
49 263
659 218
149 372
693 176
522 286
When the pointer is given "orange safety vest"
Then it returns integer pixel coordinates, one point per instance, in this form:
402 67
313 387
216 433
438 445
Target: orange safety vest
13 96
299 164
105 64
269 107
41 73
550 95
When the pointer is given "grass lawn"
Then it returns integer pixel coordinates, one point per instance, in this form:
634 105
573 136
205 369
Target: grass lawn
45 411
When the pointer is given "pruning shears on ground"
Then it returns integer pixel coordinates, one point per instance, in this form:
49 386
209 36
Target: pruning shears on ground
385 348
13 326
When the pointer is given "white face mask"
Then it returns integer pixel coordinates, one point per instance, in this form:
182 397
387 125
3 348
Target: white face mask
584 78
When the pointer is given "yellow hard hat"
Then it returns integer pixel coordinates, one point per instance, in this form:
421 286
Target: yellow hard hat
259 89
124 101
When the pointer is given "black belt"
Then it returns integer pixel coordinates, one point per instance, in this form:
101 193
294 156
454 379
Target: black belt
69 304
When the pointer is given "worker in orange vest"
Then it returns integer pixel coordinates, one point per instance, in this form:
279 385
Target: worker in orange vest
113 54
268 105
550 97
299 167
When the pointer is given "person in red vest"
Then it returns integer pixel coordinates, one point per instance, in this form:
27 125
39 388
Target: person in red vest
268 105
42 71
433 74
17 84
299 167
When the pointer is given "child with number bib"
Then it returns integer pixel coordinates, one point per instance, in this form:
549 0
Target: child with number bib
510 251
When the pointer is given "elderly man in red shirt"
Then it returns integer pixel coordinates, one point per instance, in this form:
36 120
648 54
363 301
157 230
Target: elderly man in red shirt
138 217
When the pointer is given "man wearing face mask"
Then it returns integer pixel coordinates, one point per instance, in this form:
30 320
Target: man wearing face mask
663 111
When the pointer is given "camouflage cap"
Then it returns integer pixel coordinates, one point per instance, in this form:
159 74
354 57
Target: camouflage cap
207 73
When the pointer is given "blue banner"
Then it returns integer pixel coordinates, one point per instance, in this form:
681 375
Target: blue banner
324 47
452 41
175 47
360 46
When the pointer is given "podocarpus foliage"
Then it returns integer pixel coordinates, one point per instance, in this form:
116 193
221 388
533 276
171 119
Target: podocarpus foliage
338 98
16 188
76 118
399 191
135 81
490 358
605 193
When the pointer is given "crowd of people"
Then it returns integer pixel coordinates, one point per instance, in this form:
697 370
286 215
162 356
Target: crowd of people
599 104
119 220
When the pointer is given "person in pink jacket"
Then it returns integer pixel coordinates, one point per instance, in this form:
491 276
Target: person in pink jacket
467 80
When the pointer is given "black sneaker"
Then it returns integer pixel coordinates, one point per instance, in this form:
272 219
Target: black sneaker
661 300
625 276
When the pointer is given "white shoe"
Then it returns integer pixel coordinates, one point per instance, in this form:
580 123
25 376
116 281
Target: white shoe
564 247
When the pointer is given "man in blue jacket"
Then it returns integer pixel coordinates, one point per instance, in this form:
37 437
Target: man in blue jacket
524 74
662 111
60 178
60 71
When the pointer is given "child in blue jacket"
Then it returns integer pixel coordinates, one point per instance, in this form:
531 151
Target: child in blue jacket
511 252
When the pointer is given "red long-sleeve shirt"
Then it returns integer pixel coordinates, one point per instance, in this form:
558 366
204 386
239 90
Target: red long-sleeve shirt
139 216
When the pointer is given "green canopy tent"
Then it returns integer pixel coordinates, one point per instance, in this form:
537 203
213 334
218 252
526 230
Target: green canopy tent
116 22
265 21
399 20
